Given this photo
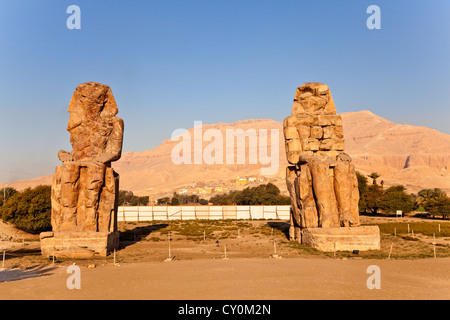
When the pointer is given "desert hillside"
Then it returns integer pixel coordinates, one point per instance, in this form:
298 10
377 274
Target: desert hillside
417 157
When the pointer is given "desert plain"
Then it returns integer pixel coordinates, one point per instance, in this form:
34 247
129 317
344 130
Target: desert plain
238 260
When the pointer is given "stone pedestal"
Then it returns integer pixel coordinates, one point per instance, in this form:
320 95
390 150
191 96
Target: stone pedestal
362 238
78 244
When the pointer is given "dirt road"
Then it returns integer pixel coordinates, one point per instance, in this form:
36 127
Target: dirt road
255 278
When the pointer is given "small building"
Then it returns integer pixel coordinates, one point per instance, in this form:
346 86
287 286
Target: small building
241 181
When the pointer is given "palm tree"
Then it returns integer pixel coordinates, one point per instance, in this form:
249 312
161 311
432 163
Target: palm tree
427 197
374 176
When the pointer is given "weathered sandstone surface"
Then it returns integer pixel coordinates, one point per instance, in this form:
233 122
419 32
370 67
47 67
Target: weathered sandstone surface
85 188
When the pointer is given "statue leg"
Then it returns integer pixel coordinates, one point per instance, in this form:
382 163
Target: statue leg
324 194
295 214
343 190
94 178
69 195
57 217
355 198
107 204
305 191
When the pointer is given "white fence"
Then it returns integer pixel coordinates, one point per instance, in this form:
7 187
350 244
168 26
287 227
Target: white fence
165 213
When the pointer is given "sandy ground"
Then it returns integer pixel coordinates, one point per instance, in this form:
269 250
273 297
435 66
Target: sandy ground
200 272
243 279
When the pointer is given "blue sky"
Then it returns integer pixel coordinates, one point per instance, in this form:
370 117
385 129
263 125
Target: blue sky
170 63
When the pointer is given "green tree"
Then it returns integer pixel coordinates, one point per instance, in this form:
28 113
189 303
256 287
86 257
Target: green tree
128 198
426 197
163 201
268 194
139 201
193 199
5 193
374 176
434 201
373 198
224 199
395 198
175 201
29 209
439 207
125 197
362 188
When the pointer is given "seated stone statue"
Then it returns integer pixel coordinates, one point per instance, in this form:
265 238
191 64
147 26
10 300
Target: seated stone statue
85 187
322 180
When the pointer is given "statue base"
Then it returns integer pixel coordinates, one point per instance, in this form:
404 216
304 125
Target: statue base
363 238
78 244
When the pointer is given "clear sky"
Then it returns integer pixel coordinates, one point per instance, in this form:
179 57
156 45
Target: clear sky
170 63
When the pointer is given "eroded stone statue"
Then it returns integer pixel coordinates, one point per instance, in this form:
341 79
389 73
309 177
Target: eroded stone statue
85 186
321 180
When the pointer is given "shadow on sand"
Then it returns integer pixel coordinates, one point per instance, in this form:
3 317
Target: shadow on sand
132 236
7 275
282 226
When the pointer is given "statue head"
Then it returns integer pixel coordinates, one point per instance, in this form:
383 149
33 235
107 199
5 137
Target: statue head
91 101
313 98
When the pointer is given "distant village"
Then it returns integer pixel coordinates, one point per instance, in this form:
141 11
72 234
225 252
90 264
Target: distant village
223 187
198 191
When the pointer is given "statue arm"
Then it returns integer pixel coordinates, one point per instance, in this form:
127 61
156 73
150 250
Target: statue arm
113 150
64 156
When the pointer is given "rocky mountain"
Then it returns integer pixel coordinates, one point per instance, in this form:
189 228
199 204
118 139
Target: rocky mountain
417 157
